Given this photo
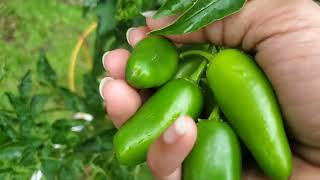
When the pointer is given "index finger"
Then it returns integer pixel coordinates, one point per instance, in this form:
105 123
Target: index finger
136 34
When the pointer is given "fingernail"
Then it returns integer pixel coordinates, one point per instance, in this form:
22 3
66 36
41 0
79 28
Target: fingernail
128 32
103 58
180 126
148 13
103 82
173 133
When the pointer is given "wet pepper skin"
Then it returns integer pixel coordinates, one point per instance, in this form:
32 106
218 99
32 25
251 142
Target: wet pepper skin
152 63
247 99
216 154
178 97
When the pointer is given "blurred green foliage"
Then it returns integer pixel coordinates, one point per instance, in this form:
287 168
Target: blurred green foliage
29 26
39 133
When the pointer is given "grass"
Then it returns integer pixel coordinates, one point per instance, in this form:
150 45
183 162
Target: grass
26 27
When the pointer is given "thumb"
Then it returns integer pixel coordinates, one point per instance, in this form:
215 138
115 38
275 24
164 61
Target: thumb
167 153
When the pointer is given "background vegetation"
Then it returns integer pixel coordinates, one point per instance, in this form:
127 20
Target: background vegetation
52 121
53 26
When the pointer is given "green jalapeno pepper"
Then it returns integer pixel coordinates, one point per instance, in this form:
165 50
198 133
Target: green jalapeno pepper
216 154
247 99
153 62
176 98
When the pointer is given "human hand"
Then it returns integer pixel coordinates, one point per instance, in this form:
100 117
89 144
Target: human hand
286 38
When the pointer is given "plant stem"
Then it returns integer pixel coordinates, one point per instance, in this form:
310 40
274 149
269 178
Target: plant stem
196 76
215 114
204 54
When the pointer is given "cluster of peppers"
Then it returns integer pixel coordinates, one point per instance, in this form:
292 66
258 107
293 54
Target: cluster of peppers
225 88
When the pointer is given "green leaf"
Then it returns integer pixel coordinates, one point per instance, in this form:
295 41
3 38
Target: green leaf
11 153
38 103
92 96
22 109
3 137
72 169
50 168
203 13
72 101
16 173
6 175
106 13
98 144
172 7
97 173
25 86
128 9
89 5
7 130
114 170
30 157
63 133
45 71
24 115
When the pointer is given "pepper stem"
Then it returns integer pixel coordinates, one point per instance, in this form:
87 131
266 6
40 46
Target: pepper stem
204 54
196 76
215 114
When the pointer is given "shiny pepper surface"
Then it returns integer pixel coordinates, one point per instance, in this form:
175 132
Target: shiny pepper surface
178 97
216 154
152 63
247 99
